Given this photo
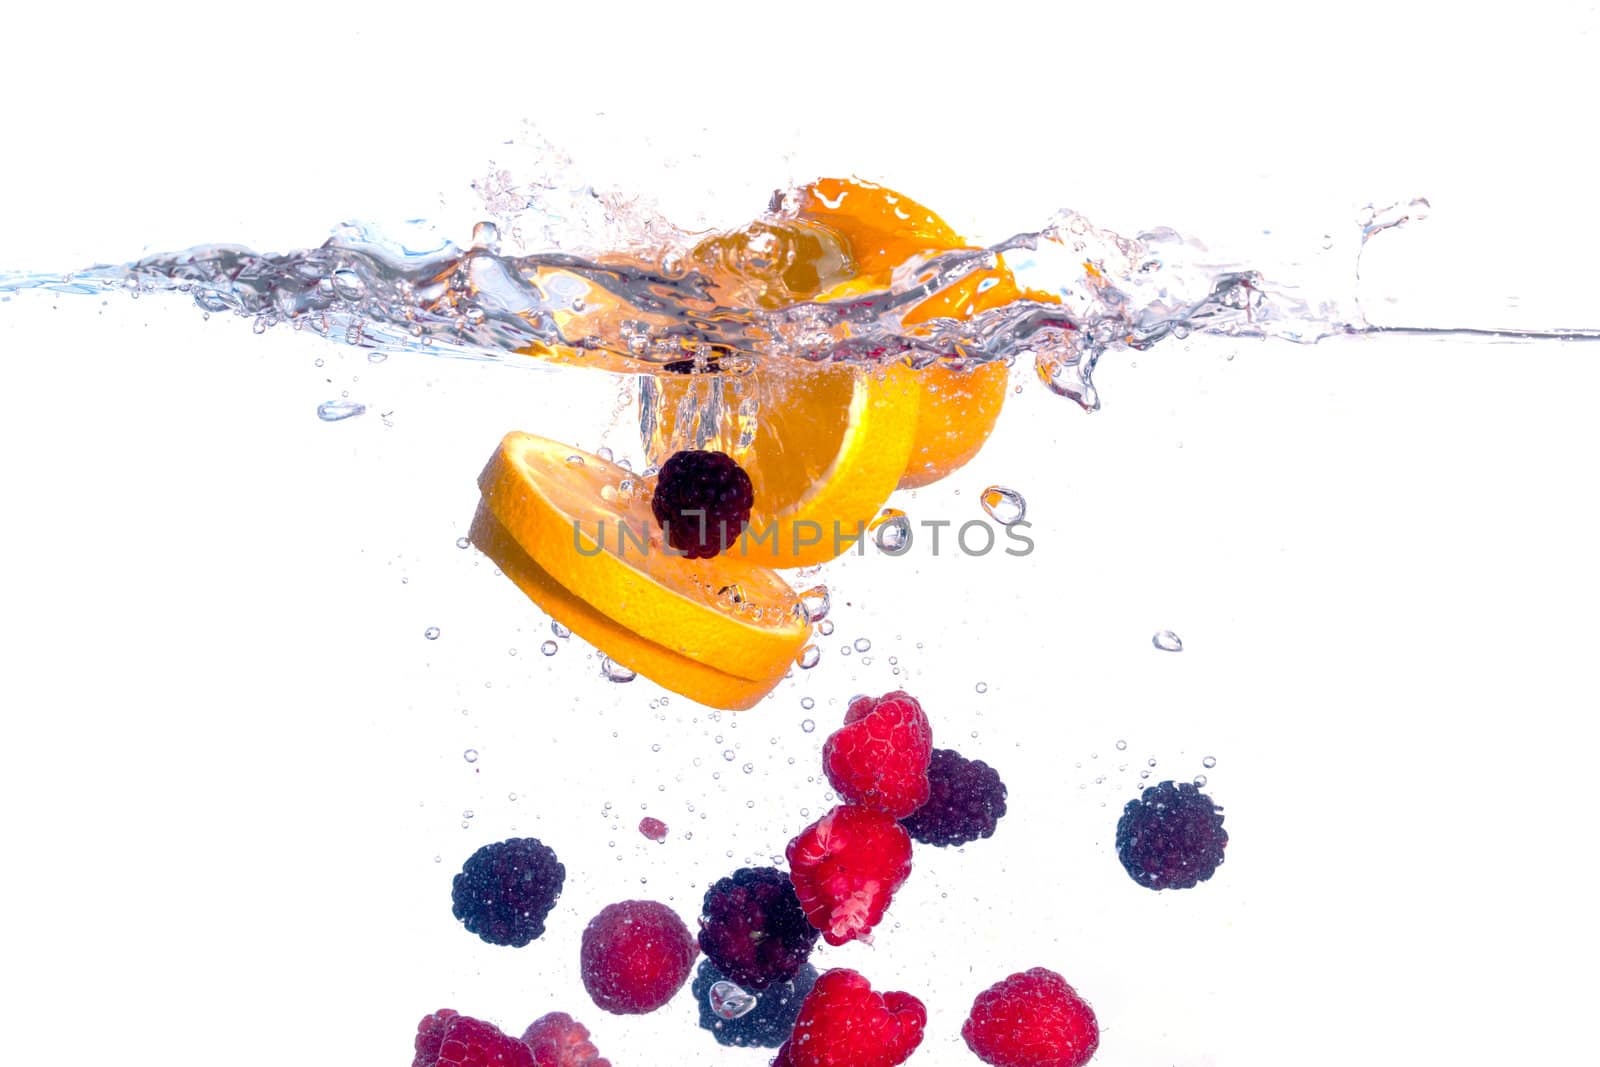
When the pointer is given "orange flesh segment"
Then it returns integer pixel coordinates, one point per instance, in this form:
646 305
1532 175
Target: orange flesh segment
602 544
666 668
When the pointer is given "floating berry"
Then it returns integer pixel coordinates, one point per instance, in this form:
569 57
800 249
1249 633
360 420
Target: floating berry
966 798
506 889
1171 837
879 757
753 929
559 1040
843 1023
1032 1019
768 1024
702 501
635 956
845 867
653 828
449 1039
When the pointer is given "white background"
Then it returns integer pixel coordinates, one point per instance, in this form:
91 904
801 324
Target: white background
231 758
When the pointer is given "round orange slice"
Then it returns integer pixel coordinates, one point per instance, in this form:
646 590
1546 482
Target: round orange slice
666 668
587 523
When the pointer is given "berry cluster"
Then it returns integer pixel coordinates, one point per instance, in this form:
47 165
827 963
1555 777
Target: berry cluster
759 925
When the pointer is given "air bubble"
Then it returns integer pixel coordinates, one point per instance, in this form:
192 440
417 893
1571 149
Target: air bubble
616 672
548 648
470 755
1122 746
814 603
808 725
982 687
1199 781
862 644
825 627
809 657
431 633
1167 641
1003 505
559 630
1209 762
339 410
462 542
727 754
807 703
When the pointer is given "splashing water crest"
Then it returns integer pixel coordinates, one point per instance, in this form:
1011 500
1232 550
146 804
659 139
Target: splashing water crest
660 298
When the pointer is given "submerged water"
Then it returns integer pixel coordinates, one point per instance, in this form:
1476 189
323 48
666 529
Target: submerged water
1381 593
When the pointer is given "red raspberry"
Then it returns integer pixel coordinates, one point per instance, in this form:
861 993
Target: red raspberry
843 1023
635 956
1032 1019
845 867
879 757
450 1039
559 1040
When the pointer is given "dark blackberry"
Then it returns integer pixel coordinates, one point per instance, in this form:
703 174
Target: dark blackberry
506 889
966 799
753 928
769 1023
1171 837
702 501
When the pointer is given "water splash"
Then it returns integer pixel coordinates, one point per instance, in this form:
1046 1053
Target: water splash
662 298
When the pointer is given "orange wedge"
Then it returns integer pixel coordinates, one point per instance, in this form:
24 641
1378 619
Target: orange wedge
665 667
587 524
824 447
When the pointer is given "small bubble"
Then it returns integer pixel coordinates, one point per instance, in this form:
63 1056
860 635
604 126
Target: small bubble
808 725
462 542
809 657
431 633
749 768
467 814
339 410
1209 762
814 603
862 644
1003 505
1122 746
1167 641
727 754
982 687
604 453
1151 762
844 650
548 648
616 672
470 755
825 627
655 747
559 630
1199 781
728 1001
807 703
511 796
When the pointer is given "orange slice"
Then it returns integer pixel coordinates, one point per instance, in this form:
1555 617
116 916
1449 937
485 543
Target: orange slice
824 447
665 667
587 524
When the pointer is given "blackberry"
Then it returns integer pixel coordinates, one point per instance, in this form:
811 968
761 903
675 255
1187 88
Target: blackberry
769 1023
966 799
1171 837
753 928
506 889
702 501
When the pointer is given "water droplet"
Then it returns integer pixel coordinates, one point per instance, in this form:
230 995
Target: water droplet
339 410
1167 641
467 814
486 237
1151 762
807 703
862 644
808 725
728 1001
814 603
748 768
574 461
825 627
616 672
1122 746
1209 762
559 630
548 648
431 633
727 754
809 657
892 533
604 453
982 687
844 650
1199 781
462 542
1003 505
470 755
